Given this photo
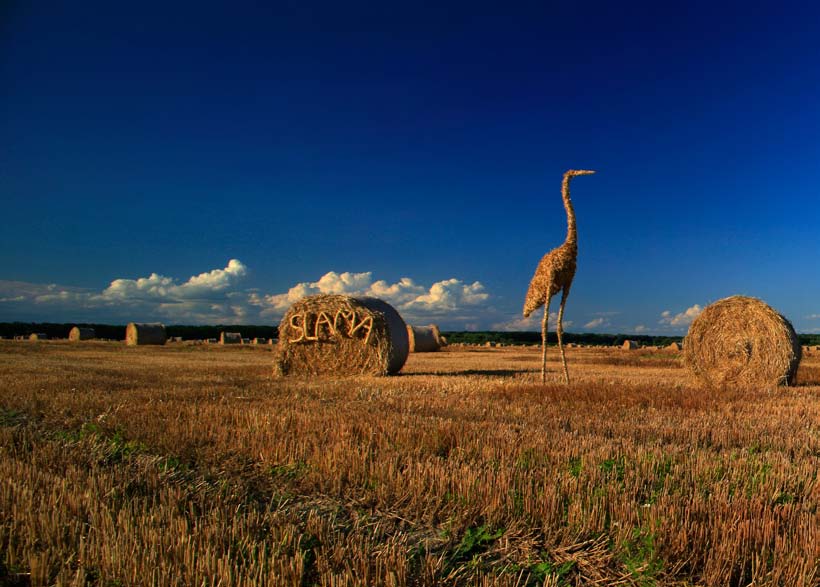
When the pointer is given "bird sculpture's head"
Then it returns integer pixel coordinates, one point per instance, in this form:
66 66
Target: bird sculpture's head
574 172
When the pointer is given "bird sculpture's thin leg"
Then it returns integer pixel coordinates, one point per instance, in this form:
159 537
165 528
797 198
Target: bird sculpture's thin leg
559 329
544 332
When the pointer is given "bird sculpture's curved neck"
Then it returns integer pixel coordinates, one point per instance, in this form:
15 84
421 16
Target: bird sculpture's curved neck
572 233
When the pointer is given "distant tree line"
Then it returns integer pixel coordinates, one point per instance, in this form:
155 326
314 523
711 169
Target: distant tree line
117 332
585 338
528 337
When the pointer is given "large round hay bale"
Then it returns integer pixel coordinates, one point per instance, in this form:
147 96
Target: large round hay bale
741 342
341 335
424 339
81 333
139 333
230 338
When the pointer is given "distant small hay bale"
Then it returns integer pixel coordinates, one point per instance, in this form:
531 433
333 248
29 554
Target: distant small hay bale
260 340
675 346
740 342
81 333
341 335
630 345
38 336
230 338
141 333
424 339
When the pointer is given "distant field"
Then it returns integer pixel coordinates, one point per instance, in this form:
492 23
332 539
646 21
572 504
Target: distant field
191 465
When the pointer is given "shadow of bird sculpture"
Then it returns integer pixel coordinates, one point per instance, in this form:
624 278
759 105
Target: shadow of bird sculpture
553 274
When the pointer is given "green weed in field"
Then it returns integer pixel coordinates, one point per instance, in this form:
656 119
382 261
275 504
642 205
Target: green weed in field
475 541
640 557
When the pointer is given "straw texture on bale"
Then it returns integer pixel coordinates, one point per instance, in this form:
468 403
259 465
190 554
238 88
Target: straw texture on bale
81 333
424 339
139 333
341 335
230 338
741 342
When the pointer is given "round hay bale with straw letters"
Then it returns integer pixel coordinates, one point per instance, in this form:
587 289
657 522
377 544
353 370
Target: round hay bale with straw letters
741 342
341 335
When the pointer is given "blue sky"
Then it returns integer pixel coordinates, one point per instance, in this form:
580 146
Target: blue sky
210 162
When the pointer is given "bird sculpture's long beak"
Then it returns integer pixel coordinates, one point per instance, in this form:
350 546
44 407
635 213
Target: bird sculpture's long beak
581 172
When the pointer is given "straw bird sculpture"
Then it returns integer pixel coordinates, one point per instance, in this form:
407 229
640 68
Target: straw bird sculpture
553 274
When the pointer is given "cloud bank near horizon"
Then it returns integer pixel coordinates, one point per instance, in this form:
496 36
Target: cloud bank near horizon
221 296
444 298
218 297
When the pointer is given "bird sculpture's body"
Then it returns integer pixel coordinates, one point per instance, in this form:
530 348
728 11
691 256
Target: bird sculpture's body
554 273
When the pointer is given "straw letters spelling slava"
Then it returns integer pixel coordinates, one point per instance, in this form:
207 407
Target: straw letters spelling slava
341 335
311 327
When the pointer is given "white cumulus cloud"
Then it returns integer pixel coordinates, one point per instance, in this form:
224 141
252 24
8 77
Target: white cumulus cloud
532 323
681 319
449 295
596 323
329 283
450 299
157 287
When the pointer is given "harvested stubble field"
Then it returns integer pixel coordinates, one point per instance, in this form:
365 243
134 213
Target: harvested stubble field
192 465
